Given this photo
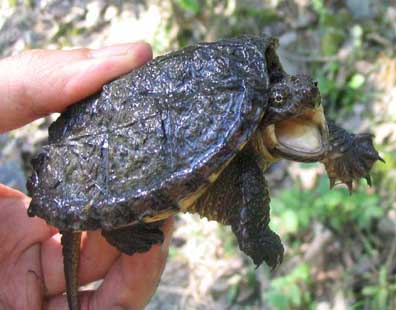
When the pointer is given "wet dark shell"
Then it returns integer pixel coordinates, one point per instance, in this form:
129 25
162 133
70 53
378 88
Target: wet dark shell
151 137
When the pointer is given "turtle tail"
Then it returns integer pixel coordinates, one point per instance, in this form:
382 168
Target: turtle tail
71 259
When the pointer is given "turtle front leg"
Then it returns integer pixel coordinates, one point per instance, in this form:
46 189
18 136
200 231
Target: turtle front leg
240 198
350 156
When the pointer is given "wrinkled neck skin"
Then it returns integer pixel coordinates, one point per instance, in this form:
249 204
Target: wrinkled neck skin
264 157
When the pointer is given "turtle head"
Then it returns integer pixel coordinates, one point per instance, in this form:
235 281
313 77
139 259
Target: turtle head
294 125
291 97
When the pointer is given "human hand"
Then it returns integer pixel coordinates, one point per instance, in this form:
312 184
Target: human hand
33 85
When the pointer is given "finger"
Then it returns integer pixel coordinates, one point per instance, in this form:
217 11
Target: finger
130 282
38 82
96 257
21 280
17 230
8 192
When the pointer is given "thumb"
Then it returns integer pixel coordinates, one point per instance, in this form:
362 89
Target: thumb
38 82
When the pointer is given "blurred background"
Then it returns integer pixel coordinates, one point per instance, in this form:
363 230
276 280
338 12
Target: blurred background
340 249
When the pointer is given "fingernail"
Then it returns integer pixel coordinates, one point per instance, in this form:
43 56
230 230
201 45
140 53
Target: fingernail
114 50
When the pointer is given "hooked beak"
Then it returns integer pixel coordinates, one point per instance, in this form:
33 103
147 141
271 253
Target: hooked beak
302 138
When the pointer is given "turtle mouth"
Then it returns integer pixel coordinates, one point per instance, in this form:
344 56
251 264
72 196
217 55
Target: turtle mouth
301 138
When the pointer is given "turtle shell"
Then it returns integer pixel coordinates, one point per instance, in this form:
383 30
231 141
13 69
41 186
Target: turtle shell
152 139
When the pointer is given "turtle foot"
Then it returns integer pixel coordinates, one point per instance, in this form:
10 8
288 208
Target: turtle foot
266 247
350 157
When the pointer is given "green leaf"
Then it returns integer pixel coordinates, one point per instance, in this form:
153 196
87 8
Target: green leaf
333 199
277 300
294 294
232 293
318 6
357 33
189 5
290 221
301 272
330 41
369 290
356 81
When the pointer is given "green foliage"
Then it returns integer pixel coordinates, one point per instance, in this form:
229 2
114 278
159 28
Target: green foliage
331 40
338 93
262 16
331 27
66 32
191 6
232 293
295 208
385 176
390 161
341 84
381 295
319 7
290 291
161 39
356 81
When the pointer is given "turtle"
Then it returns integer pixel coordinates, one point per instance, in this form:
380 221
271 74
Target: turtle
190 131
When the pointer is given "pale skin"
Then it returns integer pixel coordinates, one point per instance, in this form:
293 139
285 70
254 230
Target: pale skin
32 85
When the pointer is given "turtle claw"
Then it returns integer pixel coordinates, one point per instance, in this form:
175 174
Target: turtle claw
368 179
350 186
332 182
267 248
350 157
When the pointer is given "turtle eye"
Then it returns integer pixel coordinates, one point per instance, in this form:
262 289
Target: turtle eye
278 97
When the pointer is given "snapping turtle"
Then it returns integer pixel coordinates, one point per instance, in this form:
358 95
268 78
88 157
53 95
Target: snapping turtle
189 131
